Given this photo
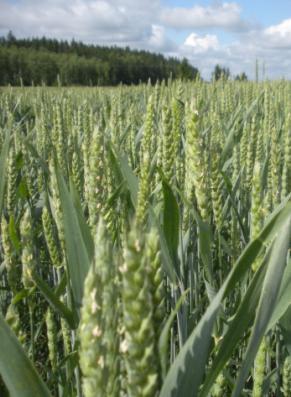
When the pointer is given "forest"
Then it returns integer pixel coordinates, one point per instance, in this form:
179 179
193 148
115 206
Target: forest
50 62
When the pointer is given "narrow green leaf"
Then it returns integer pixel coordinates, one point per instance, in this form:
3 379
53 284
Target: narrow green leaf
284 297
77 253
205 242
267 301
22 294
179 380
171 220
285 328
85 230
13 234
3 166
186 373
273 225
16 369
244 317
165 334
205 236
231 194
167 261
54 301
129 177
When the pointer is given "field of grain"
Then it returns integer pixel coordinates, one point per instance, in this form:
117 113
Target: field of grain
145 235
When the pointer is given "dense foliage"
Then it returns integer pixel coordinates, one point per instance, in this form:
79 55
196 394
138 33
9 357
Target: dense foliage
145 235
50 62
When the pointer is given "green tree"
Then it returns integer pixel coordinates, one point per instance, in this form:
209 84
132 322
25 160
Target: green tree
220 73
241 77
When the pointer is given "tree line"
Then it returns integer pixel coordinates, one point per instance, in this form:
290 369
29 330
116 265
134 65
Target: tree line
223 73
37 61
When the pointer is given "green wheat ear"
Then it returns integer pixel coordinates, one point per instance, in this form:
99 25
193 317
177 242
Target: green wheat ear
52 338
48 228
11 183
286 174
96 178
196 167
218 389
77 174
168 145
98 330
256 209
138 345
27 255
259 369
144 184
216 187
91 328
10 258
56 205
286 377
13 320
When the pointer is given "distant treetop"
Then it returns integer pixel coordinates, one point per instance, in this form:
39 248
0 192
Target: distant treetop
47 61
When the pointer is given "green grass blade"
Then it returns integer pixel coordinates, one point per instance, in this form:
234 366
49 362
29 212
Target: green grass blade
54 301
244 317
171 220
3 166
284 297
273 225
179 381
85 230
77 253
267 301
16 369
169 265
165 334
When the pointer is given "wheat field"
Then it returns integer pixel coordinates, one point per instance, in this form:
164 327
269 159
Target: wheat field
145 235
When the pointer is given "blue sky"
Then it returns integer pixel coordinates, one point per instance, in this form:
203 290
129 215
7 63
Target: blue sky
231 33
266 11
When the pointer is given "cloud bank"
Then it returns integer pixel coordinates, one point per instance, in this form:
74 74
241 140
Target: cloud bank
152 26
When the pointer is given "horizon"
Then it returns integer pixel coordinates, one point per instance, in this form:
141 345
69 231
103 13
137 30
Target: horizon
231 34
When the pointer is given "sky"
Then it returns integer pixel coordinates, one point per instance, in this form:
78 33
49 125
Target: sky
232 34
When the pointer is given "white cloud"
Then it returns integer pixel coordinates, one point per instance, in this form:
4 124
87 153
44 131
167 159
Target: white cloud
240 56
144 24
200 44
159 40
225 15
271 46
278 35
99 21
282 30
111 21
